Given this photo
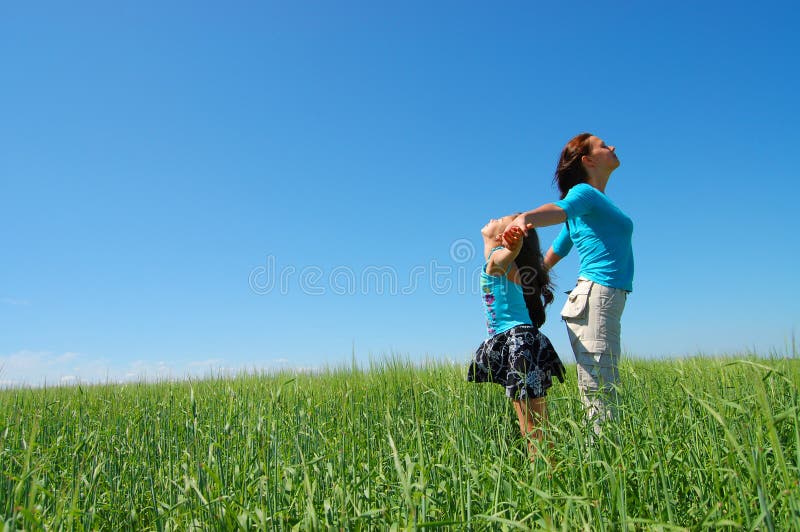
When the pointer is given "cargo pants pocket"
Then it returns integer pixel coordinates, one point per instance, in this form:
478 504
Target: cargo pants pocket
577 304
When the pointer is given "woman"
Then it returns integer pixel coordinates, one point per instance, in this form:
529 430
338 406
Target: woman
602 233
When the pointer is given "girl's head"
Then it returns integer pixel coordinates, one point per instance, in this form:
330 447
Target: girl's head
583 155
496 226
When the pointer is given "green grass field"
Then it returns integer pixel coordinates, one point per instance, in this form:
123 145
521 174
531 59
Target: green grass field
700 443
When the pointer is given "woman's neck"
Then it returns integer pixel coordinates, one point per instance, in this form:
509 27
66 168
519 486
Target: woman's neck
599 182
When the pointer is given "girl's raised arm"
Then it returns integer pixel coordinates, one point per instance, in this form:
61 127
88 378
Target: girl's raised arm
501 259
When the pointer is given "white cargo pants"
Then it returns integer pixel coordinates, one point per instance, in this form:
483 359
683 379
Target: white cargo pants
592 314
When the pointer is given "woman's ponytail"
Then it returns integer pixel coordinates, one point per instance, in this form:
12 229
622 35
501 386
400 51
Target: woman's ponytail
570 170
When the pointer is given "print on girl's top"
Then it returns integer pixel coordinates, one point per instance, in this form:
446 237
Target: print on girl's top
488 300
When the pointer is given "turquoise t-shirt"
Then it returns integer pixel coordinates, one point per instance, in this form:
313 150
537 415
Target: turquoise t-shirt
601 232
504 302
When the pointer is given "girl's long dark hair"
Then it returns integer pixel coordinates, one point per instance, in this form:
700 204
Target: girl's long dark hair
570 170
535 280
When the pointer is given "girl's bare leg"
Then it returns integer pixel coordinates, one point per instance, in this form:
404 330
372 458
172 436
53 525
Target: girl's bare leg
532 416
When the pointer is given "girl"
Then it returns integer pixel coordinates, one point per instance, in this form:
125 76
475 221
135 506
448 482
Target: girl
515 354
602 234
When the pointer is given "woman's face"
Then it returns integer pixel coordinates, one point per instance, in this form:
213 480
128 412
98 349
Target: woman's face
602 157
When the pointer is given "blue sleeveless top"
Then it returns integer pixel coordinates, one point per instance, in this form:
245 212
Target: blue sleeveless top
503 301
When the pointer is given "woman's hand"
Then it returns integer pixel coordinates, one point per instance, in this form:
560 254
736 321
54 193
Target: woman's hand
512 238
516 231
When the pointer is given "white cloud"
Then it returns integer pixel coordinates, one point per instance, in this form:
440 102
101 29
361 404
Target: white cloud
68 356
149 370
15 302
306 369
23 359
212 362
30 367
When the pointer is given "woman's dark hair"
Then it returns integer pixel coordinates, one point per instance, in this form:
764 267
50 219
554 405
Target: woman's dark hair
535 280
570 170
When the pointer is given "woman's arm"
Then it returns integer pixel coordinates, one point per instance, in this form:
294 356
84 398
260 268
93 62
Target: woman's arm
548 214
551 259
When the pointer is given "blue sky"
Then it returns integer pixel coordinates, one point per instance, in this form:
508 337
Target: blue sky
163 162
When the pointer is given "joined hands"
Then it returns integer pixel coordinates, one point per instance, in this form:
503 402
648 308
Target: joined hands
511 238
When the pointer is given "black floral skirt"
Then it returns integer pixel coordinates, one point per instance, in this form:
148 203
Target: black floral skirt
521 359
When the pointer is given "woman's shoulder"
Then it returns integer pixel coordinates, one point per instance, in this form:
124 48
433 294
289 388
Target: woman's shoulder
585 189
581 192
